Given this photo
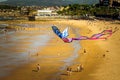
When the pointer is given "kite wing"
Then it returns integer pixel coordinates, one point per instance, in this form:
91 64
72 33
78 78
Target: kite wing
65 33
57 31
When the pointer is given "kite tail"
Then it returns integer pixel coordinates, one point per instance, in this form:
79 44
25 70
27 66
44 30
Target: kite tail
99 35
106 33
81 38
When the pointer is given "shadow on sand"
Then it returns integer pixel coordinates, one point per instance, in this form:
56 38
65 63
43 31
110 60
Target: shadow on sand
34 71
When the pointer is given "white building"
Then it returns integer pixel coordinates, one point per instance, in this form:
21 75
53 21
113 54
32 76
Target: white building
44 12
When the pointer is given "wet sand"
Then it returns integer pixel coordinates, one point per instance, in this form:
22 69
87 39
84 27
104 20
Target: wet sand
57 55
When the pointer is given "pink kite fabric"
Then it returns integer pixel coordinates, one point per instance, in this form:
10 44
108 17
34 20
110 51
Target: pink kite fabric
103 35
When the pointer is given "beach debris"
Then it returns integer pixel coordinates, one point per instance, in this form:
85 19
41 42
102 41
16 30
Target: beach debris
63 35
107 51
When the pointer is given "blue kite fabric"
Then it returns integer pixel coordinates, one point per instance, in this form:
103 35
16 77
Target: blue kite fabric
63 35
57 31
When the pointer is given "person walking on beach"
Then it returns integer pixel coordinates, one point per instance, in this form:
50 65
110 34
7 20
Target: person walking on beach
38 67
69 71
79 68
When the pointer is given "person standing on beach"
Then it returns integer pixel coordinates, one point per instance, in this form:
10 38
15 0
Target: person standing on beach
38 67
79 68
84 50
68 72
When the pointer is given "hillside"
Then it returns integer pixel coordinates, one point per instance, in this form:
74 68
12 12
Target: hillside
47 2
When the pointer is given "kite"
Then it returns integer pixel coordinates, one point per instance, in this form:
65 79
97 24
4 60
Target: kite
64 35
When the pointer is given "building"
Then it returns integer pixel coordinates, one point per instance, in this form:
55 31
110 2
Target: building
46 13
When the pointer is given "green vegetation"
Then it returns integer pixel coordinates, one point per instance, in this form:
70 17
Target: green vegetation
7 7
86 10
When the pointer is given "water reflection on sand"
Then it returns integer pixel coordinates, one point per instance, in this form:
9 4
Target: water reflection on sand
15 47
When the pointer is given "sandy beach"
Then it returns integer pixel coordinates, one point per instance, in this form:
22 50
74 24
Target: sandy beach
100 62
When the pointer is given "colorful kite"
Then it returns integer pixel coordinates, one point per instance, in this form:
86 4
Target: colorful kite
63 35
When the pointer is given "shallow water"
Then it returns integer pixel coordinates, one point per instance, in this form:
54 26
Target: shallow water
16 46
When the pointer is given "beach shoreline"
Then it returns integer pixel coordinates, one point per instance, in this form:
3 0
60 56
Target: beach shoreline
91 60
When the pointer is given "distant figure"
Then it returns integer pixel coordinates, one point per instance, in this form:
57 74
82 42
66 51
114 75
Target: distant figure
69 71
79 68
103 55
38 67
84 51
37 54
